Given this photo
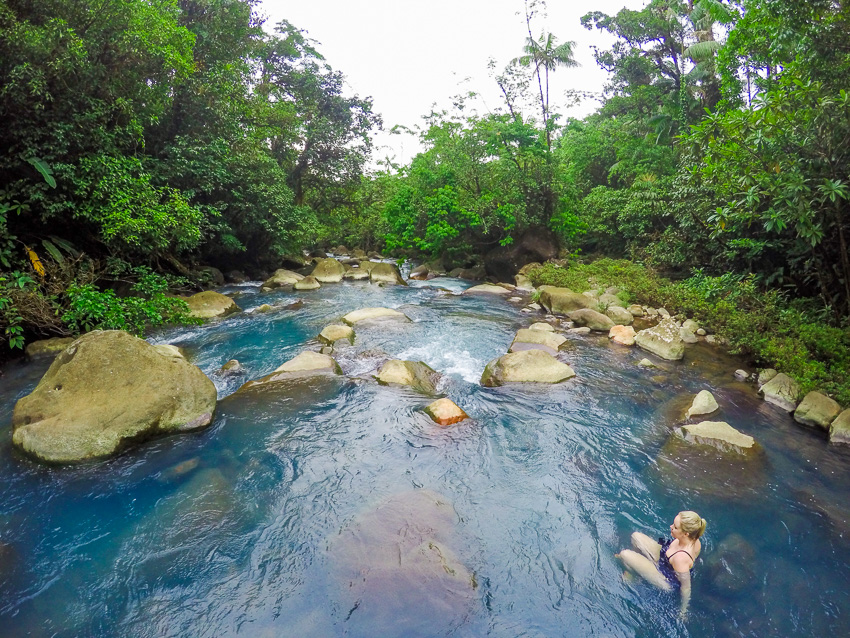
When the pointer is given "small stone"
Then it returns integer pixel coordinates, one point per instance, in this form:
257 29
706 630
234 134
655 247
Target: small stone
210 304
528 366
690 325
416 374
687 336
766 375
704 403
515 299
48 347
701 332
527 339
636 310
620 316
335 332
534 306
592 319
624 335
579 331
487 289
231 369
663 313
445 412
646 363
545 327
817 410
781 390
741 375
662 340
308 283
264 308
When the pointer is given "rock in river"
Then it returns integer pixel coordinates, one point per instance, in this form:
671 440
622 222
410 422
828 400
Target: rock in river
662 340
210 304
305 365
624 335
782 391
105 392
416 374
329 271
281 278
486 288
308 283
528 339
48 347
718 434
704 403
596 321
817 409
563 300
374 314
445 412
335 332
528 366
384 273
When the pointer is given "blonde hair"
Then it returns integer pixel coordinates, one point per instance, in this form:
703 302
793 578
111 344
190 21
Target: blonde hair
692 524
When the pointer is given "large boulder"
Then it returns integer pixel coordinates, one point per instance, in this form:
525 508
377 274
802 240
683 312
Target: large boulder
781 391
328 271
281 278
374 314
528 366
48 347
528 339
210 305
305 365
662 340
356 274
596 321
561 301
817 410
419 376
535 245
704 403
106 391
384 273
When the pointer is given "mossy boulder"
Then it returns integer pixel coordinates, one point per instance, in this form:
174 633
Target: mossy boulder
817 410
48 347
662 340
211 305
561 301
281 278
620 316
328 271
527 366
588 318
528 339
384 273
308 283
704 403
839 430
335 332
106 391
781 391
305 365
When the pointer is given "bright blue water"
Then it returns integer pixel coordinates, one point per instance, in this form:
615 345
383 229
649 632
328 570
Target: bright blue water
545 485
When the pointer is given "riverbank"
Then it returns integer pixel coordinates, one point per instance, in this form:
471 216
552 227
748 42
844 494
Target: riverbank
767 328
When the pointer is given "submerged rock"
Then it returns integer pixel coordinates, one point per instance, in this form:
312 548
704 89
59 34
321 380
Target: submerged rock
387 274
704 403
105 392
374 314
305 365
231 369
445 412
329 271
416 374
732 566
528 339
210 304
528 366
781 391
663 340
48 347
817 410
281 278
579 331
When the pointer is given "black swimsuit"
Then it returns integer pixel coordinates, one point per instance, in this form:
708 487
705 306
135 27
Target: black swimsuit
664 565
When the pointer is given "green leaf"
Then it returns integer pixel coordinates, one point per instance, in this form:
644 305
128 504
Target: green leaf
54 252
44 168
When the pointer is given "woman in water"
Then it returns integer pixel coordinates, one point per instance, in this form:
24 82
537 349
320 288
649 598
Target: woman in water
668 564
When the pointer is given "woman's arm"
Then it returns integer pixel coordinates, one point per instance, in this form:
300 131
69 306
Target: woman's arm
685 581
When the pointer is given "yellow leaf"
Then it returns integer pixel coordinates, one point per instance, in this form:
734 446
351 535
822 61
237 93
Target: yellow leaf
36 262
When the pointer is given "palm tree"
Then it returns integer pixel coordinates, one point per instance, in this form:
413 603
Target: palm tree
545 53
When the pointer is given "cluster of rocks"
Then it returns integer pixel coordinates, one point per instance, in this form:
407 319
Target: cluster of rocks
330 271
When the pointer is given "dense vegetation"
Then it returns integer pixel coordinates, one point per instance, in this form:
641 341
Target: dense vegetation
146 140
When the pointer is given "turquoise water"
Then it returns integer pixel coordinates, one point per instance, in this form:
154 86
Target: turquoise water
302 512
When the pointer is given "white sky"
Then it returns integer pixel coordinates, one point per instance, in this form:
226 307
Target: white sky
410 55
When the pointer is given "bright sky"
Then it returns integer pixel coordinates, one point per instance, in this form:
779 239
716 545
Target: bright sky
410 55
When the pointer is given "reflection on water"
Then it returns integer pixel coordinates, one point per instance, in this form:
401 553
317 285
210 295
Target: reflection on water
336 507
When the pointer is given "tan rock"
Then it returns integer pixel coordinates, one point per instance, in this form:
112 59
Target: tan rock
329 271
48 347
718 434
445 412
662 340
619 315
105 391
523 283
545 327
624 335
308 283
704 403
528 366
563 300
210 304
491 289
596 321
167 350
372 314
636 310
386 273
231 368
263 308
839 431
781 391
335 332
282 278
527 339
305 365
817 410
415 374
